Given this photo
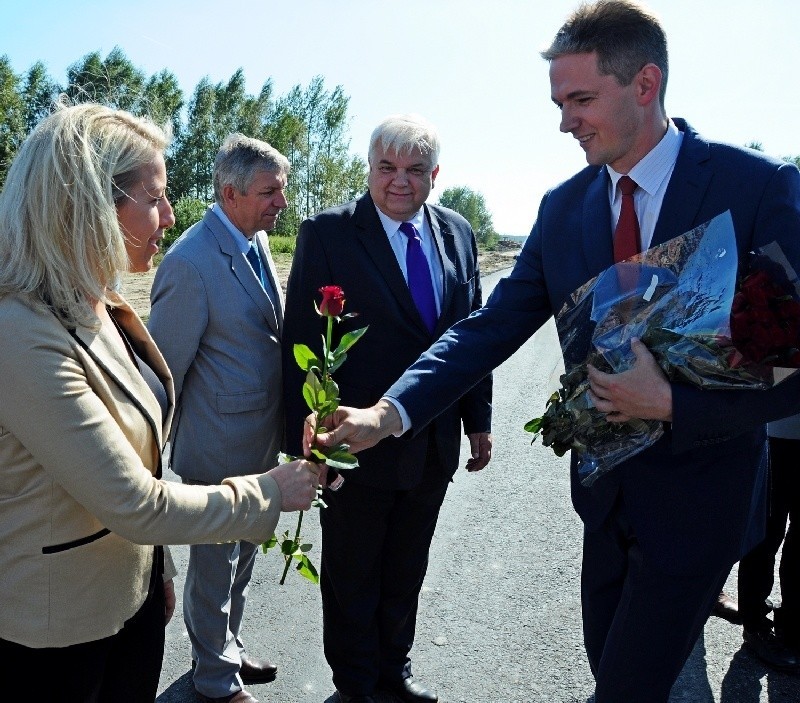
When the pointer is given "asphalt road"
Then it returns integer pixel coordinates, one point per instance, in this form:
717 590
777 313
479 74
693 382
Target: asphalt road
499 618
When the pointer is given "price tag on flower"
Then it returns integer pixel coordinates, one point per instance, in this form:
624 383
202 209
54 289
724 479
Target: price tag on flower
322 397
707 321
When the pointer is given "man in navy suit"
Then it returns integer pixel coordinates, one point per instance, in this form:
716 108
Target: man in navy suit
410 270
663 528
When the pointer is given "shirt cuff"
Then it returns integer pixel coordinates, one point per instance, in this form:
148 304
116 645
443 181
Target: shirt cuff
406 420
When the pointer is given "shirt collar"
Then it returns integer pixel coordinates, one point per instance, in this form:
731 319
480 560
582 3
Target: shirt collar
392 227
242 242
655 166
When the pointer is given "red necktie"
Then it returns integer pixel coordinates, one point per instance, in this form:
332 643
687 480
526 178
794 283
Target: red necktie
626 236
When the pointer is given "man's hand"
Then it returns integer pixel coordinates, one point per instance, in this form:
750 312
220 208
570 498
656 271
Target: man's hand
642 391
360 428
169 601
298 482
480 444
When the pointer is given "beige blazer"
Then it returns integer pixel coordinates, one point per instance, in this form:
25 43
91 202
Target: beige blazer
80 444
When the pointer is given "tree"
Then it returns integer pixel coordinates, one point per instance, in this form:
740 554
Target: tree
39 92
12 116
310 127
115 81
471 205
187 212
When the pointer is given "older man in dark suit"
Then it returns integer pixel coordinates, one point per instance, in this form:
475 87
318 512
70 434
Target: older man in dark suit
410 271
664 527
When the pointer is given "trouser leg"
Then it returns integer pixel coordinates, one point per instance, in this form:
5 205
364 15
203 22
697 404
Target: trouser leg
640 623
207 611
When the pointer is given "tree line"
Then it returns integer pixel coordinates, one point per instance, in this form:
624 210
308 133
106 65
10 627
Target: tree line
309 124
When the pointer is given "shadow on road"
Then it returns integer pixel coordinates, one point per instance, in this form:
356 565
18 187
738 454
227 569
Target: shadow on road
747 677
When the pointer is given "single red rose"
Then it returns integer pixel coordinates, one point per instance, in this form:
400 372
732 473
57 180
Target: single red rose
332 301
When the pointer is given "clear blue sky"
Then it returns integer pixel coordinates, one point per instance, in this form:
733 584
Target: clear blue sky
471 67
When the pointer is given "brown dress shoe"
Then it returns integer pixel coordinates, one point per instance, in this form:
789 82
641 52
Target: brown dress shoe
727 609
255 670
238 697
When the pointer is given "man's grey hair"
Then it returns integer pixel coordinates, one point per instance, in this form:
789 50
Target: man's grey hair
624 34
240 158
403 133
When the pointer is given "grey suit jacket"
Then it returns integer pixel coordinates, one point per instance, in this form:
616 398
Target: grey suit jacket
220 334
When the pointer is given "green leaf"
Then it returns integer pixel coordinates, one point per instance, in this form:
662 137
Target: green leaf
348 340
316 453
331 389
340 459
335 363
305 547
269 544
307 570
305 358
288 547
313 391
534 425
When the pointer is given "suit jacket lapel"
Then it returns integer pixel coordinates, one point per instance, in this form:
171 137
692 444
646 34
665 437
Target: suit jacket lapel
686 189
372 236
445 243
106 353
242 270
598 239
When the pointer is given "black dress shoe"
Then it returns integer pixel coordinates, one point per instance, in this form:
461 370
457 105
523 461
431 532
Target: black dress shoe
770 650
410 691
727 609
360 698
257 670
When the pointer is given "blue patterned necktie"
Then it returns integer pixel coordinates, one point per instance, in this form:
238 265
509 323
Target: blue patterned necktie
419 277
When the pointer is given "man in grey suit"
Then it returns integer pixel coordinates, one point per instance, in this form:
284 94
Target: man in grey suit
217 313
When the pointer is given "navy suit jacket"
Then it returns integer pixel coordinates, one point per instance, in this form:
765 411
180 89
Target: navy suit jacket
348 247
697 497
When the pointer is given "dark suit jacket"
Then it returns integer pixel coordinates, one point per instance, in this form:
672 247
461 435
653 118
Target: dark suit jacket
347 246
696 498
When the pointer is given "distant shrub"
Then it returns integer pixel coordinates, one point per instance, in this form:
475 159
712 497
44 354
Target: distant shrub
187 212
282 244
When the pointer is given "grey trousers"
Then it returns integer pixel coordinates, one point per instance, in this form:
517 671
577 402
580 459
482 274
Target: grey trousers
214 597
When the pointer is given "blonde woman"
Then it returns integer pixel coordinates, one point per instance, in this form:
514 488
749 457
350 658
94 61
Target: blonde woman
85 402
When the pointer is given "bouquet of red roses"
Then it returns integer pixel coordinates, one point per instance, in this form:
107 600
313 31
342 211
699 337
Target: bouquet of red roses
706 321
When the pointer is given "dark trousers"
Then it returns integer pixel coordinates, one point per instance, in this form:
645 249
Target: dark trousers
640 623
375 547
757 569
123 668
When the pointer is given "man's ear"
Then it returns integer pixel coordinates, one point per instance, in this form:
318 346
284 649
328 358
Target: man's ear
648 84
434 173
229 195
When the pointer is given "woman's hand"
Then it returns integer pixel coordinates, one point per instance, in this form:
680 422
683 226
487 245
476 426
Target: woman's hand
298 482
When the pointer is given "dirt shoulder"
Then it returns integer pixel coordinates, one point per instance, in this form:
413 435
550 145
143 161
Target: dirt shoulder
136 286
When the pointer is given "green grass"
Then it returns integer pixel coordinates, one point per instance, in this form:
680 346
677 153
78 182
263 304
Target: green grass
282 244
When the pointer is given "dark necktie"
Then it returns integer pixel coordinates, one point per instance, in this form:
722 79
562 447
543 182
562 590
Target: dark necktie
258 269
419 277
626 236
255 262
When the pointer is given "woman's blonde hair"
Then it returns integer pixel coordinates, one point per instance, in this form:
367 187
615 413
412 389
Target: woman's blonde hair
59 236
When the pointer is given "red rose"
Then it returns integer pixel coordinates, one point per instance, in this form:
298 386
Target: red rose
332 301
